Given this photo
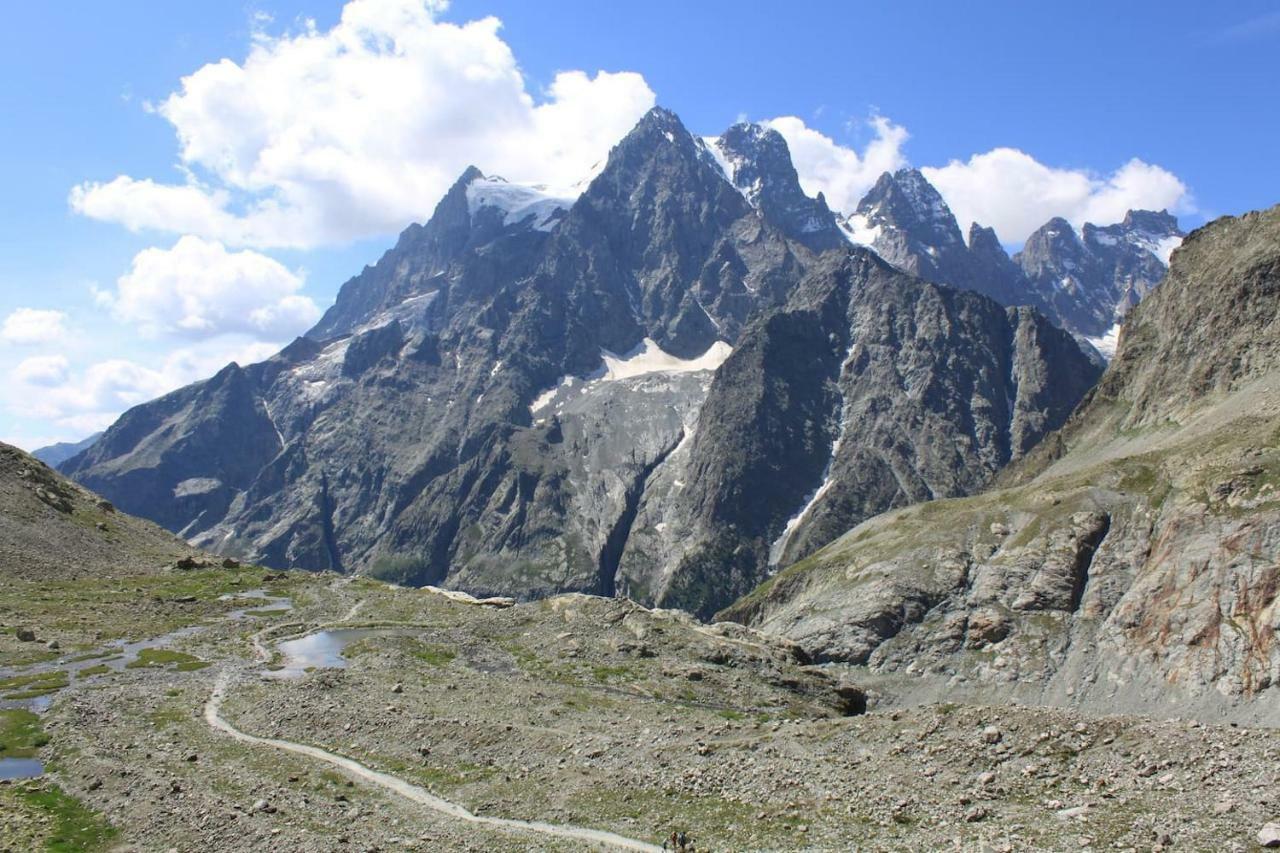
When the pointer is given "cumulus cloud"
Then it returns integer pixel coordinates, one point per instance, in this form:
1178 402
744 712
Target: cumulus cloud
42 370
200 289
1014 193
840 173
34 326
81 402
321 136
1004 188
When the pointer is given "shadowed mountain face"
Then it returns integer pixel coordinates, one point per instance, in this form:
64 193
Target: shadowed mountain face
506 401
1084 282
1128 562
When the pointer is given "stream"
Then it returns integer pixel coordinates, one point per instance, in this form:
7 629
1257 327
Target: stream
115 657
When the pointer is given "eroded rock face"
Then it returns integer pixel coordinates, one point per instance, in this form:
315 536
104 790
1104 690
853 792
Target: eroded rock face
512 400
869 390
1129 562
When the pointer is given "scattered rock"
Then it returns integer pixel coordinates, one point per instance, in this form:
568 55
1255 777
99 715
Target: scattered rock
1269 835
25 635
991 735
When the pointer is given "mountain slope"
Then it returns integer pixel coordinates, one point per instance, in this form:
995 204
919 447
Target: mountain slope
870 389
55 454
50 528
1128 562
505 402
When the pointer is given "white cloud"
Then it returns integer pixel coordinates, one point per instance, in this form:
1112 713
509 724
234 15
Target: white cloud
81 402
324 136
34 326
42 370
199 289
1014 193
1004 188
839 173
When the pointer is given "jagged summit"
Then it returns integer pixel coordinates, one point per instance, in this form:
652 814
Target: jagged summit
1085 280
757 161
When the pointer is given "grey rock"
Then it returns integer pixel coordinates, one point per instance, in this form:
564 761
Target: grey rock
450 420
1138 533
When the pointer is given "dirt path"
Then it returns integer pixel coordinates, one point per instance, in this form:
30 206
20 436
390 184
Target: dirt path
213 716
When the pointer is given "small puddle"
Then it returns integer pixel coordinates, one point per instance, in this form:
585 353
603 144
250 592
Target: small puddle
20 768
270 603
323 649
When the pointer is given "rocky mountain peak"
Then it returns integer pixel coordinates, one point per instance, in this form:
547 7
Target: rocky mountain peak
757 161
1151 221
905 200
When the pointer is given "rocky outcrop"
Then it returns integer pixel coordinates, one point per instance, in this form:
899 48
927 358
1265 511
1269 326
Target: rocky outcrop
1129 562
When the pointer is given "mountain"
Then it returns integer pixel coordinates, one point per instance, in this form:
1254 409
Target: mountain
869 389
1128 562
1084 282
55 454
1089 281
53 529
506 401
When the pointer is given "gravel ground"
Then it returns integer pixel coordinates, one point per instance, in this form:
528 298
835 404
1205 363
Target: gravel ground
601 714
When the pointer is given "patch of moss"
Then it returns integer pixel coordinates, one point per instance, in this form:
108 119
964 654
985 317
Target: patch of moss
74 826
32 686
434 654
91 671
21 734
163 658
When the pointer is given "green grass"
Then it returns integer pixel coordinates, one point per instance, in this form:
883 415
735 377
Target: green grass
75 827
90 671
167 715
32 686
434 654
162 658
21 735
606 674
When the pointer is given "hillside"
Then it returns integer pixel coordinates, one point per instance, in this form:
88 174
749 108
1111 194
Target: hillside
1131 562
52 528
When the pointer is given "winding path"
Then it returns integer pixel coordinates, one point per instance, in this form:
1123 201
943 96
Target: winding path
213 716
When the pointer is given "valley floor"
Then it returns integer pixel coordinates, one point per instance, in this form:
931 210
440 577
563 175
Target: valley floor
587 715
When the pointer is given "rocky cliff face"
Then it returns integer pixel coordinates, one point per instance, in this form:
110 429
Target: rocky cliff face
500 401
1084 282
869 389
1129 562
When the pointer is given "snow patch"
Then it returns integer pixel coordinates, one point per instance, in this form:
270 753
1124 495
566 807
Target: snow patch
646 358
408 311
859 231
519 202
1160 246
1107 343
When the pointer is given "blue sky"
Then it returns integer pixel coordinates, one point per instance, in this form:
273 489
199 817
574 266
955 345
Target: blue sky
225 246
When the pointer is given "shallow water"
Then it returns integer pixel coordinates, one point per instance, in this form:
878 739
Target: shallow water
323 649
120 653
20 768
